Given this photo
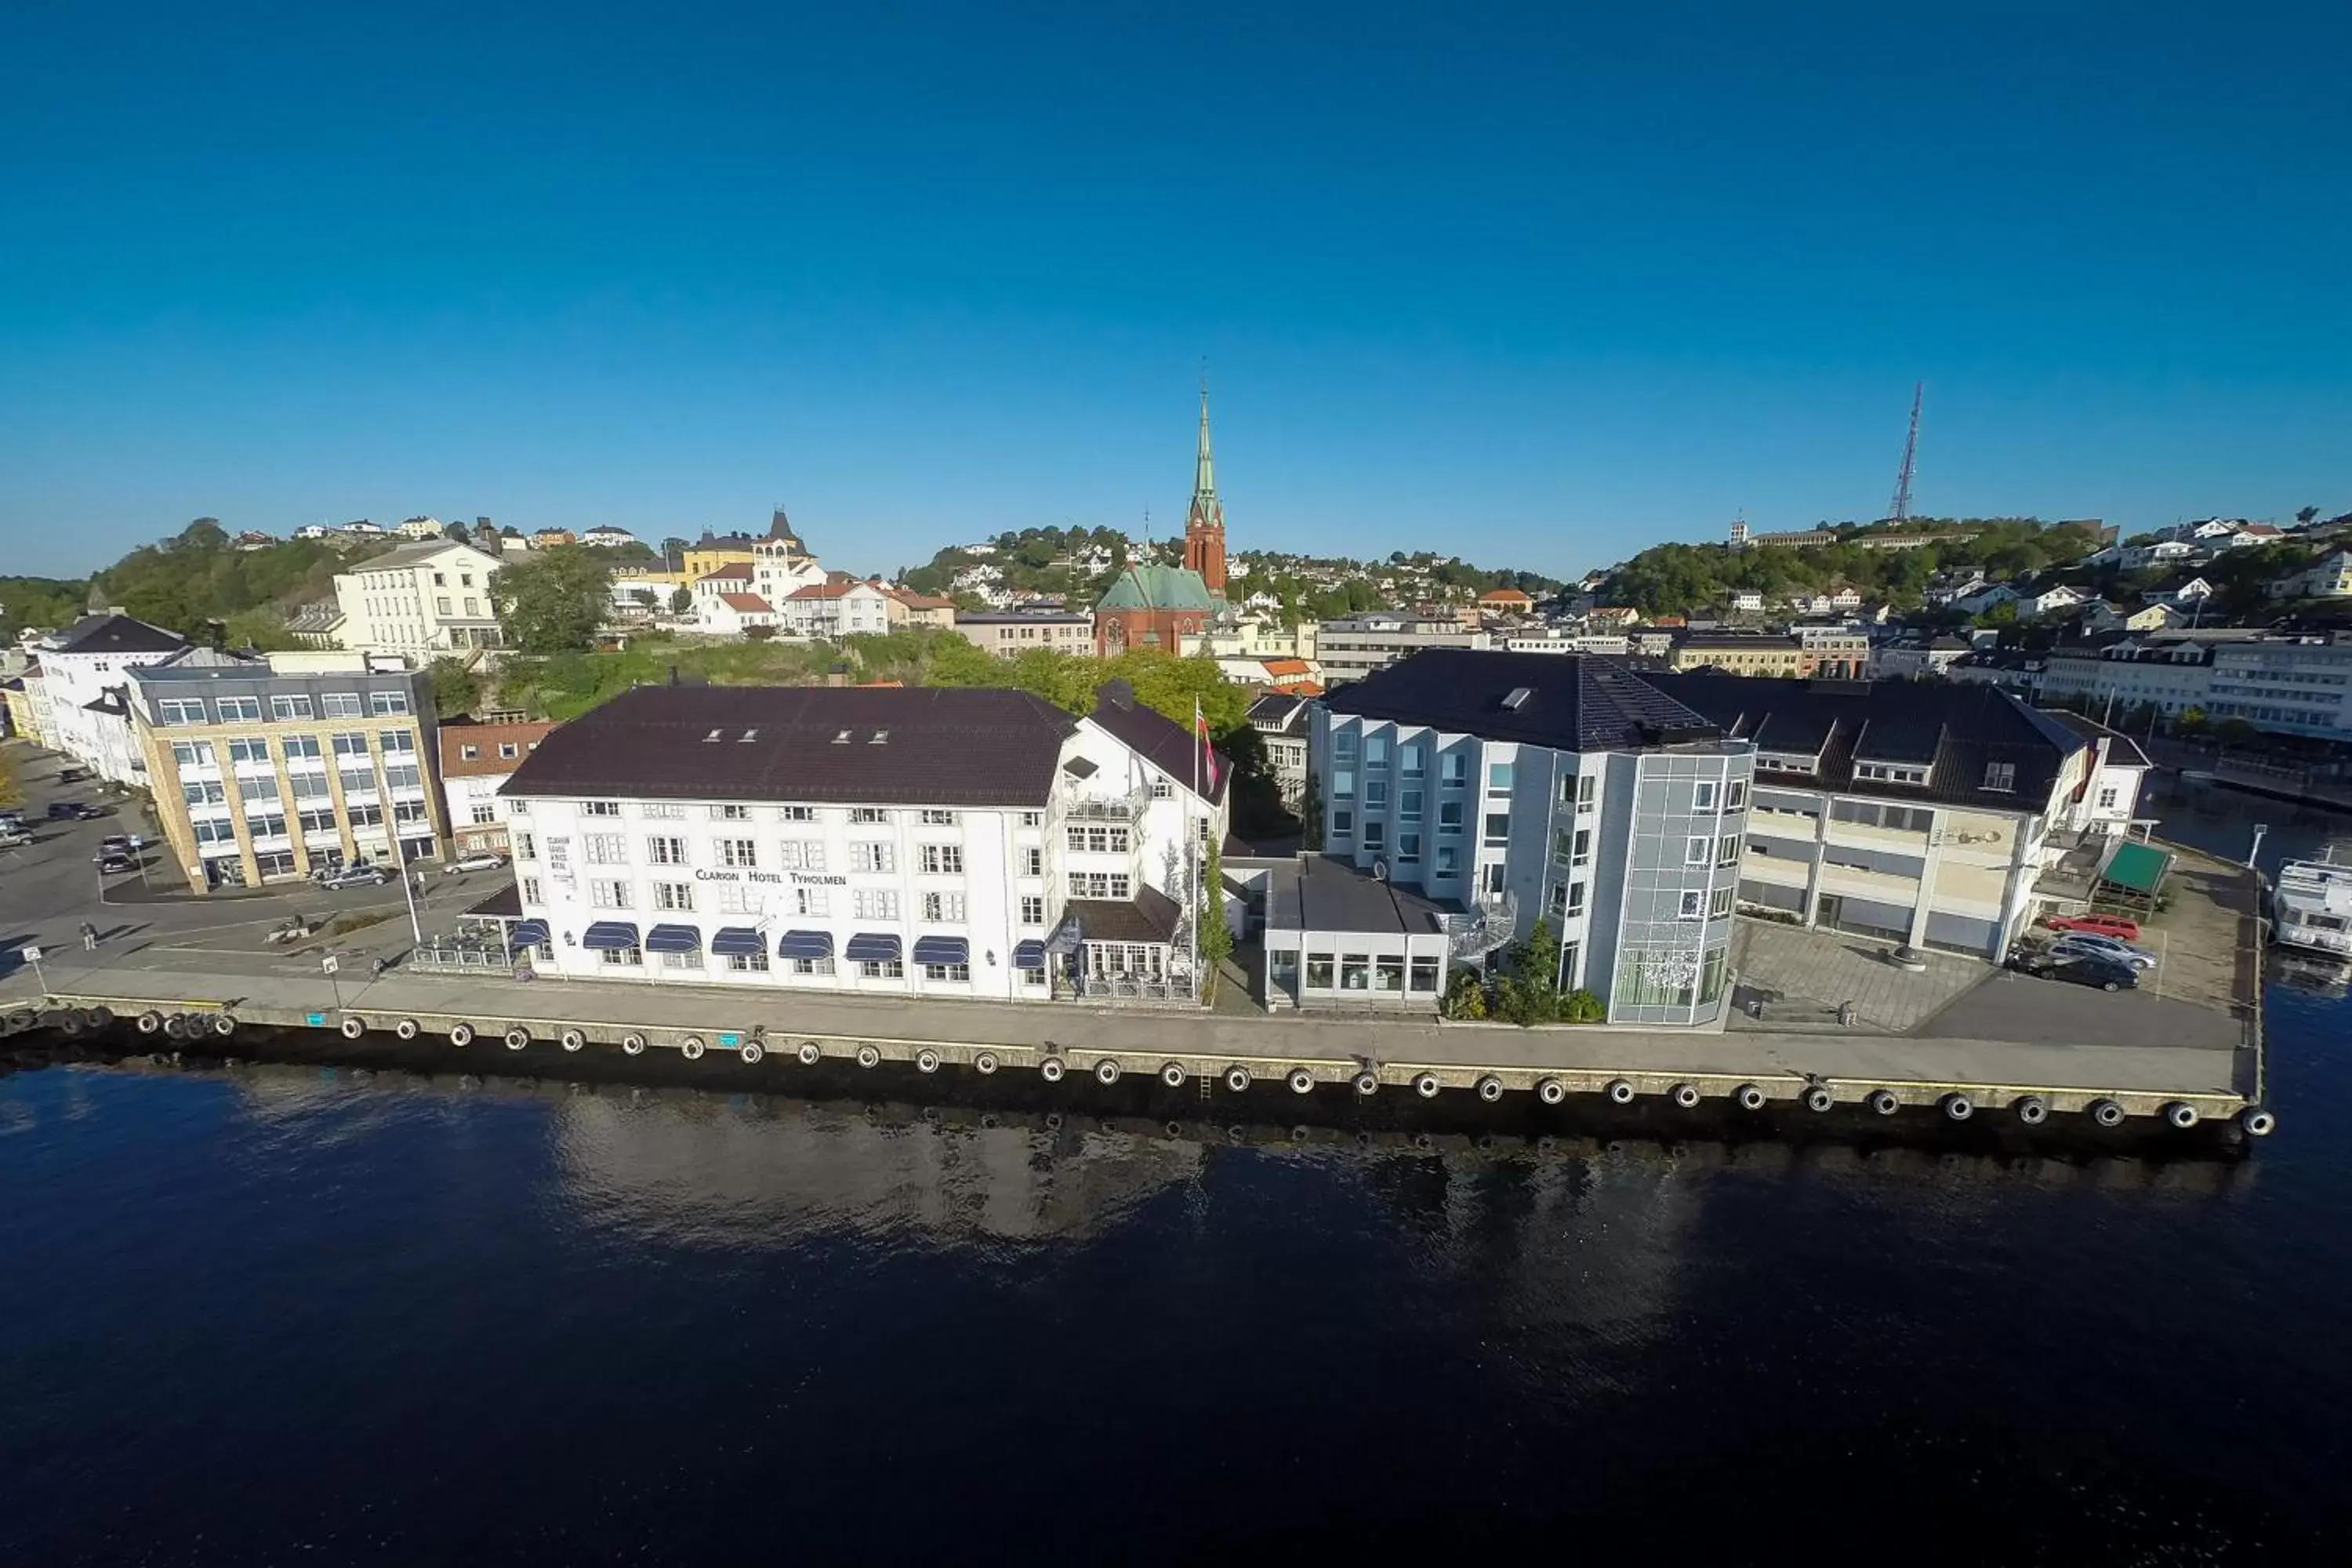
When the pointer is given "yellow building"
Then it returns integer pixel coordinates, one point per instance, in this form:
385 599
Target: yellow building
24 708
1760 656
266 772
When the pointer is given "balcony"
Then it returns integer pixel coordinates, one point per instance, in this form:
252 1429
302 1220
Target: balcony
1126 808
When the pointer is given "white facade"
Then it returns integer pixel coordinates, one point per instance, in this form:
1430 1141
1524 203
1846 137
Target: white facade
836 610
420 601
89 664
733 615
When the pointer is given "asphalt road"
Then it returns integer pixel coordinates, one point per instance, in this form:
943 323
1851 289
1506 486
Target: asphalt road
48 889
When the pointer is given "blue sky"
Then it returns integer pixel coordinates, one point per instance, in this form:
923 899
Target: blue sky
1537 284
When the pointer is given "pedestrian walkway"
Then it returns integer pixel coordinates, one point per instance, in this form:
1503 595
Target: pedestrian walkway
1802 977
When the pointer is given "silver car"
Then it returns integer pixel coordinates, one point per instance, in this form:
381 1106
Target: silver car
2087 944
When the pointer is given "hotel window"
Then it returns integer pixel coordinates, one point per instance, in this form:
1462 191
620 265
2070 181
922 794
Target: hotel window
872 856
888 970
239 710
811 966
944 909
1409 761
395 740
1098 840
211 832
1694 906
1697 849
867 813
203 793
1718 905
600 808
1735 795
740 853
622 957
1032 862
604 893
248 749
1033 819
1902 773
798 814
1586 787
1575 905
874 903
284 709
1498 778
1727 849
752 963
1703 795
2108 798
468 753
1032 909
806 901
403 775
664 851
953 973
939 818
525 848
264 824
350 744
1343 823
1409 806
509 750
528 888
942 860
803 854
181 711
673 896
199 754
1454 769
484 814
1409 848
385 702
258 790
300 748
603 849
1498 829
2000 776
1162 789
731 813
1100 885
318 820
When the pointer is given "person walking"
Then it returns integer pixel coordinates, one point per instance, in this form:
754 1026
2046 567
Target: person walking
88 937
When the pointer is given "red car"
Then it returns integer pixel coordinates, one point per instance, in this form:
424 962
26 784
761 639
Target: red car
2116 926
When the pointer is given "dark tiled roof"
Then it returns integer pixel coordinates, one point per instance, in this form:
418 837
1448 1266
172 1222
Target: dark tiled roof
1277 711
1153 916
1153 736
1578 702
110 633
939 747
1959 730
2122 750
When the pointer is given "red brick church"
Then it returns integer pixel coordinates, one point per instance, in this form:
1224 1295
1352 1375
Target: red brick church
1157 607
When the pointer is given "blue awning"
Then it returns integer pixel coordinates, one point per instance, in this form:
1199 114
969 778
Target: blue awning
943 950
1029 955
873 947
674 939
528 934
736 942
609 935
806 944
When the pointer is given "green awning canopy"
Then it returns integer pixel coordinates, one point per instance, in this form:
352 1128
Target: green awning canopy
2135 869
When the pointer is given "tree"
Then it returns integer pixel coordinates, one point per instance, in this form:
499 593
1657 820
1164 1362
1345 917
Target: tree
760 632
1465 994
458 531
2191 721
2235 732
455 688
553 601
261 629
11 792
2306 514
681 601
1216 938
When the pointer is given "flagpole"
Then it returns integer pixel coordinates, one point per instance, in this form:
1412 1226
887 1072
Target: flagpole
1192 848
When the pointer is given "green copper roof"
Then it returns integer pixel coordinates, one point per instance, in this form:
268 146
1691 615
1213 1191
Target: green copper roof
1156 587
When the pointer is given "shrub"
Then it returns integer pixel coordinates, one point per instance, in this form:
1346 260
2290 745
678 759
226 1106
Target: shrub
1465 995
1583 1007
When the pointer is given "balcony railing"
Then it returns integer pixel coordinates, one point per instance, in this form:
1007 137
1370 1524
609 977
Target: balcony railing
1103 808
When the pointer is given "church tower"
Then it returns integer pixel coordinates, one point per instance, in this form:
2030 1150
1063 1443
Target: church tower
1204 526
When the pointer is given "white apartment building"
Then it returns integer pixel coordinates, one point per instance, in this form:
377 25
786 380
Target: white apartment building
422 601
2286 684
963 843
1009 634
85 676
1354 647
853 608
1507 788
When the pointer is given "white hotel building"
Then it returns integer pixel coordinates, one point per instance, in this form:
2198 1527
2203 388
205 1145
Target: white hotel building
964 842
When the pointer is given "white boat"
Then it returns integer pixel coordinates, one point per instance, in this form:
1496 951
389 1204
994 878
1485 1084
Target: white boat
2310 907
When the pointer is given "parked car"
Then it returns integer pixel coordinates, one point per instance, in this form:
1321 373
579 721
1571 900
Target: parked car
2120 927
483 860
14 838
114 865
91 812
72 775
2083 945
356 876
2105 974
63 810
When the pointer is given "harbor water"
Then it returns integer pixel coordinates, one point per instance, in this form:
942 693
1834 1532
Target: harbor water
290 1315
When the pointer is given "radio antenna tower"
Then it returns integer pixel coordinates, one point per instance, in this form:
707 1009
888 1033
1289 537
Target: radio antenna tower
1901 511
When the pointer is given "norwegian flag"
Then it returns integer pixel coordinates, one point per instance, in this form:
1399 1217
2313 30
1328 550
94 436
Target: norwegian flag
1208 751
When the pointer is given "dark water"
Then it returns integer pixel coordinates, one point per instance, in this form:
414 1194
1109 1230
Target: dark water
276 1316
